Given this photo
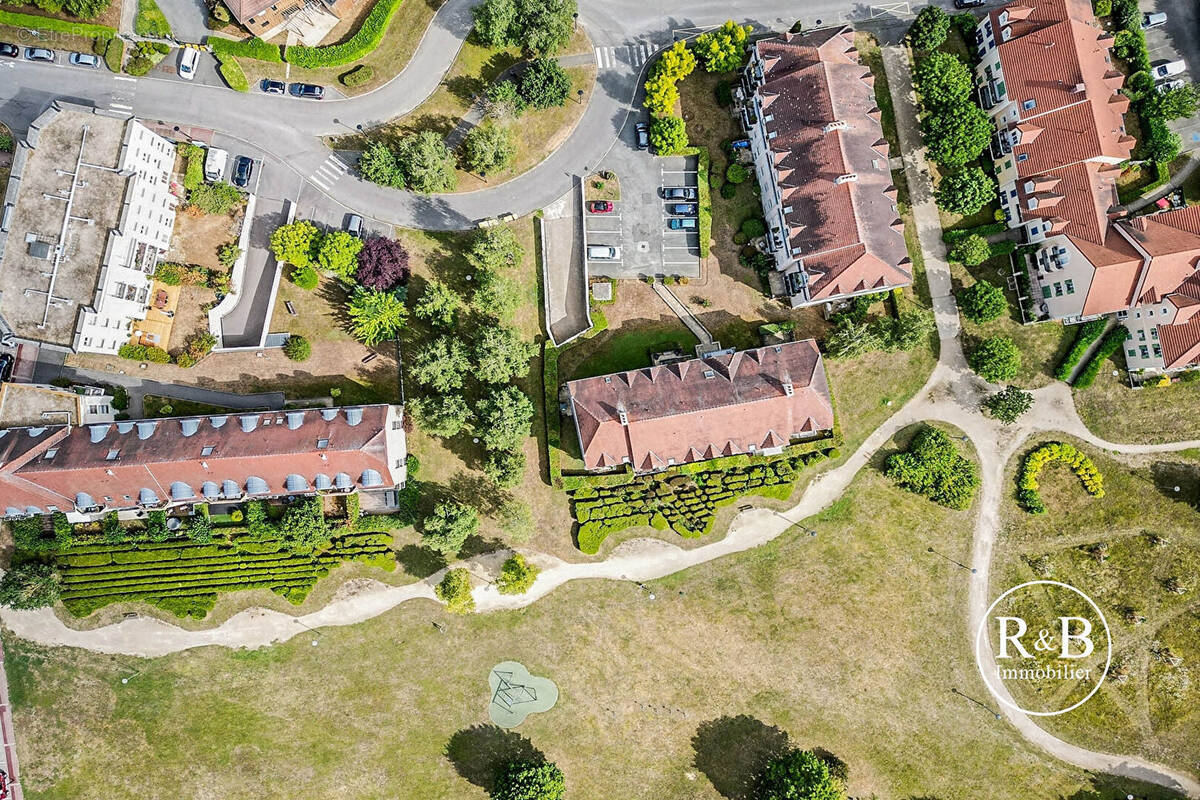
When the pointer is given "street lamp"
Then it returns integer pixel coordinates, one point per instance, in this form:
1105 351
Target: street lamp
575 18
948 558
127 678
316 633
579 94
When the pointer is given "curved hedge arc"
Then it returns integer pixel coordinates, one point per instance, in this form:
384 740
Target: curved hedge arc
1031 467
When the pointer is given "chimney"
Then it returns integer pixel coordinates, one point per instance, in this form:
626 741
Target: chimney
836 125
788 389
621 415
1079 87
847 178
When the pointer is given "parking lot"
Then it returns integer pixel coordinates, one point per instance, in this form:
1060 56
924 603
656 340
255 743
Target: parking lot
654 234
1178 40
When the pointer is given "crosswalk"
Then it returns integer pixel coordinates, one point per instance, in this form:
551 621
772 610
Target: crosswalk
634 55
329 172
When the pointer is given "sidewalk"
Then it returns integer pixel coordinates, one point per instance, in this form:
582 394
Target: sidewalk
9 735
681 311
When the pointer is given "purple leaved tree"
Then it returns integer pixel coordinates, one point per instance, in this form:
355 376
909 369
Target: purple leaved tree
382 264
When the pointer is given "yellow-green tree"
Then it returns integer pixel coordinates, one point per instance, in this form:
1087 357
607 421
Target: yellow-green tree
661 95
676 62
723 49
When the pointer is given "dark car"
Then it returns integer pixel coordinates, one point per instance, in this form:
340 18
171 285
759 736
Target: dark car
273 87
38 54
309 91
679 193
7 362
682 209
242 170
84 60
968 3
641 134
9 50
682 223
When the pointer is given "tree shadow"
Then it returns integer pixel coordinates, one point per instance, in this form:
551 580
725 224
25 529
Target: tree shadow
1112 787
732 751
1171 475
420 562
479 752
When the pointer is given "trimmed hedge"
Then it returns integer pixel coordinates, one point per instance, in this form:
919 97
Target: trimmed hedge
1087 333
358 76
246 48
1108 348
985 230
552 418
55 25
1031 467
361 44
232 73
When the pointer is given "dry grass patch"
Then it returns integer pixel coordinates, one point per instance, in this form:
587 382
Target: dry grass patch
1118 413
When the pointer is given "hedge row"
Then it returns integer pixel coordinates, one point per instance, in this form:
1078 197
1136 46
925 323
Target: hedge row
56 25
685 503
1087 333
246 48
553 420
985 230
1027 480
703 196
1108 348
364 40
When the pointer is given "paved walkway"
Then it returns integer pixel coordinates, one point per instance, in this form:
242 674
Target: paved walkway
1176 181
682 311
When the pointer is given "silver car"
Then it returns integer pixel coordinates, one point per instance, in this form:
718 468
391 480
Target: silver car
84 60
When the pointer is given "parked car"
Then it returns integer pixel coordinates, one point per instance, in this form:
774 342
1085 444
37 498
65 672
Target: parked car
273 87
84 60
243 168
603 252
215 162
683 209
39 54
1153 20
600 206
9 50
968 3
679 193
7 362
683 223
1167 86
641 134
1168 70
354 224
188 59
308 91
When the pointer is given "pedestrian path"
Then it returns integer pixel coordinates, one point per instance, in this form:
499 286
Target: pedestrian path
330 172
681 311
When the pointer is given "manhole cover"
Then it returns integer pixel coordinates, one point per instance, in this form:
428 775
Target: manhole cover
643 247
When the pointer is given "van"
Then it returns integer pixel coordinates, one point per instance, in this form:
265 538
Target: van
187 63
603 252
1153 20
214 164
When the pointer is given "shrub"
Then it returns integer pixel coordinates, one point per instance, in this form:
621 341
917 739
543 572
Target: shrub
304 277
1102 8
971 250
30 585
752 228
516 575
1008 404
169 273
215 198
360 75
736 173
1031 467
1085 334
723 93
983 301
728 191
233 75
996 359
144 352
39 23
297 348
296 243
113 52
932 466
455 591
668 135
246 48
228 253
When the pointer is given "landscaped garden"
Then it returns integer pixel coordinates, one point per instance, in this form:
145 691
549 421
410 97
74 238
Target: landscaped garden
1124 533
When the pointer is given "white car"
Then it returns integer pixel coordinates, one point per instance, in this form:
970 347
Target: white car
187 63
1168 70
1167 86
1153 20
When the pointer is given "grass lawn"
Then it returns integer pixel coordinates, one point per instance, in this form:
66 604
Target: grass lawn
850 642
1042 345
1117 413
158 406
151 21
1155 710
624 349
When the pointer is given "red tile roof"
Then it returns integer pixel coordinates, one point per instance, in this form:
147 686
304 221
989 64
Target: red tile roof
125 464
702 408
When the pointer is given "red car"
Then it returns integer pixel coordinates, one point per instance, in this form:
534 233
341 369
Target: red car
600 206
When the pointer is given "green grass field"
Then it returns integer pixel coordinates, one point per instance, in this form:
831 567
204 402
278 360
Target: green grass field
851 641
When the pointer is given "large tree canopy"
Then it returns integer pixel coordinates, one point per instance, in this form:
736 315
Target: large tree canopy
541 27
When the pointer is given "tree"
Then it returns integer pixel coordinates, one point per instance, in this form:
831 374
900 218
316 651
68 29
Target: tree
156 526
303 524
966 191
1159 143
497 295
440 415
495 248
297 243
944 80
850 339
377 164
1176 103
544 84
544 26
448 527
441 364
306 278
504 418
957 134
983 301
505 468
932 466
929 29
971 251
668 135
676 62
723 49
493 21
661 95
338 253
528 780
996 359
382 264
438 304
427 164
455 591
30 585
516 575
501 355
909 331
1008 404
297 348
375 316
489 147
504 100
798 775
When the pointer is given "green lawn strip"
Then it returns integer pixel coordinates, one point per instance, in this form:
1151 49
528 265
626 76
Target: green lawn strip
151 21
364 40
703 195
34 22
